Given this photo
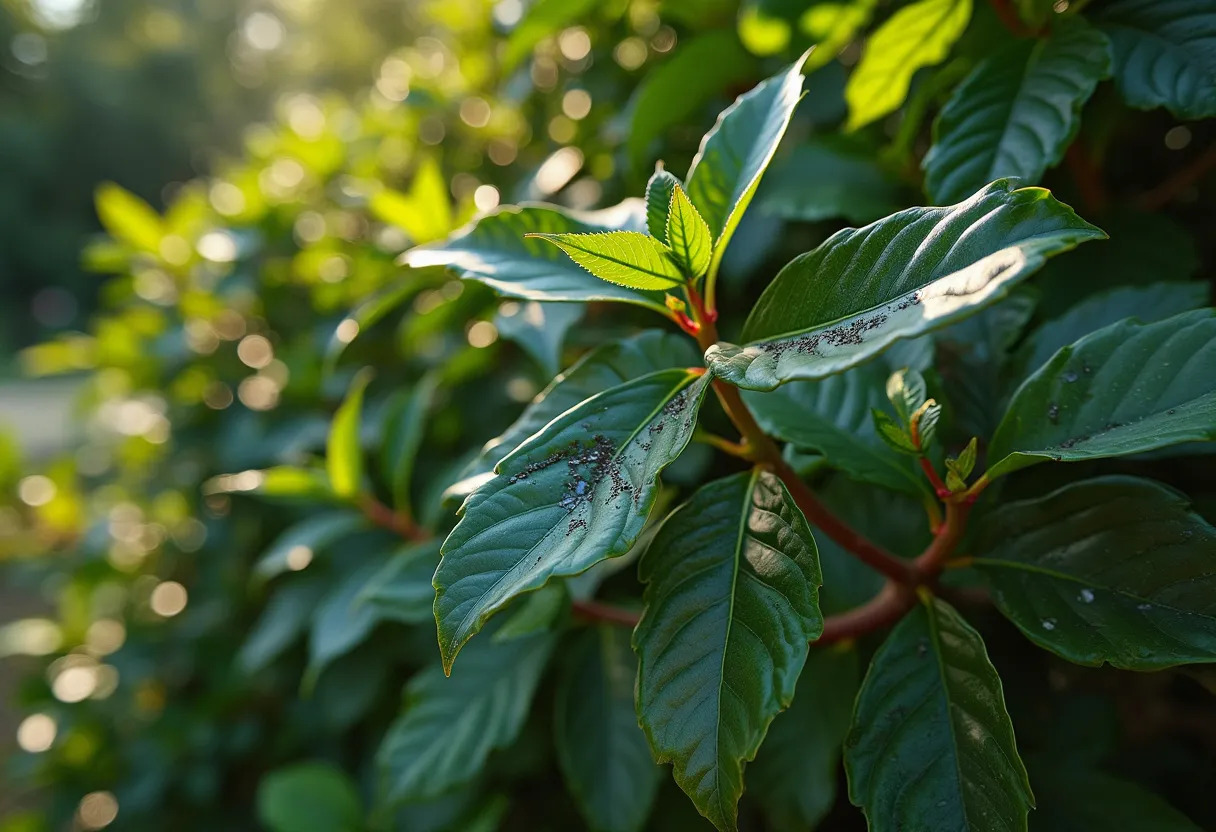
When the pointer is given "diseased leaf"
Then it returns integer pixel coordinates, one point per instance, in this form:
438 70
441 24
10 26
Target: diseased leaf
575 493
731 603
1125 389
344 452
602 368
1017 111
794 776
602 752
449 726
1165 54
536 612
626 258
915 271
917 35
688 235
659 188
494 250
931 713
736 152
1115 569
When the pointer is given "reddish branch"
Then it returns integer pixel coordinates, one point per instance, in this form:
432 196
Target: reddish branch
1176 185
394 521
883 610
605 613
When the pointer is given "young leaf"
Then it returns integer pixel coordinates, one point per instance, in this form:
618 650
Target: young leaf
403 431
915 271
128 218
1125 389
917 35
923 423
688 235
603 368
309 797
575 493
834 417
1165 54
659 190
344 452
496 250
932 746
959 468
794 776
736 152
732 582
449 726
1016 112
602 752
893 433
907 393
1114 569
626 258
832 26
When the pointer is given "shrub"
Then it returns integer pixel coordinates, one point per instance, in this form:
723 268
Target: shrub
856 475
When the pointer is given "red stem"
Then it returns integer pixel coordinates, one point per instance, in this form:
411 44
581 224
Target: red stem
1089 180
883 610
606 613
1167 191
394 521
934 479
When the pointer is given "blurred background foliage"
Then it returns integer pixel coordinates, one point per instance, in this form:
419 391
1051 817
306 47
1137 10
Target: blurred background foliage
201 208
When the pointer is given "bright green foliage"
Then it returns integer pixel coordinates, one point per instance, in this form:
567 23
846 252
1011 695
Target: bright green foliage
659 192
1016 113
832 25
931 712
344 452
919 34
1165 54
687 235
129 219
626 258
1124 389
905 275
1115 570
731 602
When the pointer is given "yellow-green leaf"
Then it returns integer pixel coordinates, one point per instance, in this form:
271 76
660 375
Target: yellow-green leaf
344 457
688 235
626 258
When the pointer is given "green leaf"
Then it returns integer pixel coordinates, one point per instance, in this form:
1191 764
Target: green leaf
403 430
343 451
732 581
1147 304
834 417
539 329
907 393
575 493
285 483
401 589
282 622
1075 799
1114 569
833 26
1165 54
932 746
1125 389
536 612
496 251
128 218
794 776
604 367
894 434
295 548
425 213
602 752
659 191
702 68
1017 111
626 258
829 177
449 726
688 235
1035 13
736 152
918 35
309 797
366 315
339 622
908 274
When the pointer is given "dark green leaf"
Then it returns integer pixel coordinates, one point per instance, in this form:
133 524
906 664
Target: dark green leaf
917 35
1165 54
626 258
494 250
539 328
731 602
736 152
403 431
1125 389
1035 13
339 621
659 189
1115 570
830 177
1075 799
688 235
599 370
344 452
536 612
915 271
449 726
678 88
575 493
932 746
1017 111
367 315
295 548
282 622
309 797
401 589
602 751
794 775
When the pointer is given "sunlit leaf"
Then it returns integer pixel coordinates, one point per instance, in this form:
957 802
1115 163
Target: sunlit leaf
688 235
128 218
626 258
344 451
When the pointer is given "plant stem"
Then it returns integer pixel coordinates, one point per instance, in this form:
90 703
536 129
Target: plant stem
934 479
931 562
1087 176
1163 194
605 613
398 522
883 610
